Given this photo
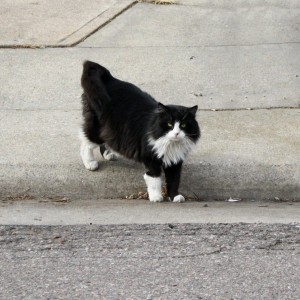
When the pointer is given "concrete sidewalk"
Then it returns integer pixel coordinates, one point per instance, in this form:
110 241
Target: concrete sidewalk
54 23
242 73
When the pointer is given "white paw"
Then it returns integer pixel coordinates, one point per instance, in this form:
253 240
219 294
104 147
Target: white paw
91 165
156 198
154 188
109 155
179 198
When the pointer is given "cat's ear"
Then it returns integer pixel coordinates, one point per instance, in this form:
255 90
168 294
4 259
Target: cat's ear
162 108
193 110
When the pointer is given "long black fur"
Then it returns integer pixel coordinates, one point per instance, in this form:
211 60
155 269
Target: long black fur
121 116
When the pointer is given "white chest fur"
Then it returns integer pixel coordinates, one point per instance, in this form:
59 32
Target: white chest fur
171 151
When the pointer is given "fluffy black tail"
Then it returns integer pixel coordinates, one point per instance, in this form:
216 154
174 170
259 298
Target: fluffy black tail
92 79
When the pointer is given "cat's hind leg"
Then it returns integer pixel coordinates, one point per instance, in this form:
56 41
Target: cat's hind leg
107 153
86 152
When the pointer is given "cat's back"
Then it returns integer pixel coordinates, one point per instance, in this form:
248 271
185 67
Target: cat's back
127 118
125 94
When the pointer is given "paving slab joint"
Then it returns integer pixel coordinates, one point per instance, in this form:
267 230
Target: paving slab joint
103 25
73 44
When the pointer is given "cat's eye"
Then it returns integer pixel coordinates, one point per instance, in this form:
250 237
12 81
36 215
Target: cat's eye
170 124
183 125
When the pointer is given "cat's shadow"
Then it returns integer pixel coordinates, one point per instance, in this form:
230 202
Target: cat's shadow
119 164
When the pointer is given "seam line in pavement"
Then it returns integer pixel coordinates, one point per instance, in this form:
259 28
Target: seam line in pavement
250 108
63 39
36 46
31 46
192 46
200 109
104 24
203 6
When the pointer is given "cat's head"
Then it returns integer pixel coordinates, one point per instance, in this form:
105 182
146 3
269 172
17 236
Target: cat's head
175 123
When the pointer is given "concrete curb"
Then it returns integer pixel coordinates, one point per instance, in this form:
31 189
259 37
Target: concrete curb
117 180
62 211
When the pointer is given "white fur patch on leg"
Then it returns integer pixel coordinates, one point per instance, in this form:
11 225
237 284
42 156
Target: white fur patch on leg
179 198
86 152
154 188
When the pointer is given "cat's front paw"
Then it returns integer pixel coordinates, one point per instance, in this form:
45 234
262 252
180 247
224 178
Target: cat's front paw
91 165
110 156
179 198
154 188
156 198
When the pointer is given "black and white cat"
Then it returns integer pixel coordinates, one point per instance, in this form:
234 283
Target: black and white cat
121 118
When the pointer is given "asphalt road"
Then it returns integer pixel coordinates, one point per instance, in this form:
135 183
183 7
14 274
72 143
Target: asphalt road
171 261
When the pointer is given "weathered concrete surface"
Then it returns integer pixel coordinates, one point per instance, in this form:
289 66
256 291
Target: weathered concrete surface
67 211
214 261
216 78
231 23
248 154
228 4
53 23
245 154
242 153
